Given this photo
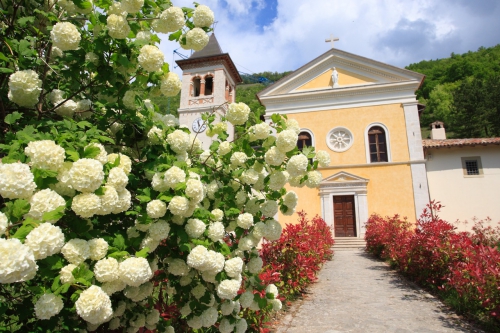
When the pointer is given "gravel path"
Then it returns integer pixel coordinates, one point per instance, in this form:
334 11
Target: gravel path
359 293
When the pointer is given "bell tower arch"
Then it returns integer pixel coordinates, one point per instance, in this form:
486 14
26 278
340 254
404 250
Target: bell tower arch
209 79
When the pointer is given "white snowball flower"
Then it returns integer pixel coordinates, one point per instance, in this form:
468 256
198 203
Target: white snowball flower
290 199
313 179
209 317
323 158
112 287
124 202
198 291
225 326
45 240
151 58
125 162
150 243
216 231
135 271
98 248
94 306
173 176
129 99
246 299
106 270
159 230
214 263
259 230
16 181
47 306
156 209
65 36
102 156
246 243
170 20
67 109
297 165
76 251
273 230
274 156
155 136
276 304
237 113
86 205
45 201
66 273
86 175
118 27
241 326
238 158
259 132
272 289
194 190
252 206
56 96
196 39
178 141
170 84
286 141
45 154
277 180
18 262
255 265
144 36
153 317
109 200
132 6
250 176
24 88
203 16
292 124
218 214
195 322
227 307
233 267
245 220
197 258
224 148
4 223
179 205
228 289
269 208
178 267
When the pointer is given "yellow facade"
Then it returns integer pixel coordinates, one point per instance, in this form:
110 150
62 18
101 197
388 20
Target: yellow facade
345 78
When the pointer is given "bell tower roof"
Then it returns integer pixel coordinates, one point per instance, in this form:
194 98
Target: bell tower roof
211 53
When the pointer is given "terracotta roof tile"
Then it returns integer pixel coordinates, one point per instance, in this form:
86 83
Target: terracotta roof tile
448 143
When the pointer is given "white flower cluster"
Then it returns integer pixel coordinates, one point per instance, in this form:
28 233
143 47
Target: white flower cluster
118 27
132 6
44 201
102 156
195 228
151 58
277 180
94 305
170 84
24 88
169 179
238 159
65 36
170 20
129 99
286 140
135 271
4 223
237 113
47 306
45 154
313 179
259 132
203 16
18 262
86 175
274 156
323 158
156 209
178 141
297 165
245 220
45 240
76 251
16 181
196 39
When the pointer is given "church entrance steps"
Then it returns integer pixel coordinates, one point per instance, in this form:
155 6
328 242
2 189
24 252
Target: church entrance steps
349 243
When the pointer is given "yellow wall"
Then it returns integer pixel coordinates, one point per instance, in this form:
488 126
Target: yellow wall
389 192
389 188
356 120
345 78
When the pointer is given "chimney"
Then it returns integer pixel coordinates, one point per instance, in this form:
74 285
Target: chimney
438 132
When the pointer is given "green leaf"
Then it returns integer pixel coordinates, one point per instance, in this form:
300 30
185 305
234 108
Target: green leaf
143 198
56 284
72 155
12 118
119 242
83 4
231 212
91 152
23 21
175 35
43 178
54 215
262 303
142 253
165 68
4 70
119 254
83 275
23 231
20 208
186 247
74 297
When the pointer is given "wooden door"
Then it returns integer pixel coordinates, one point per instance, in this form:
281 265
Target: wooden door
344 218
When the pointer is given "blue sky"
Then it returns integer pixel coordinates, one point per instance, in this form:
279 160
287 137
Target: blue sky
281 35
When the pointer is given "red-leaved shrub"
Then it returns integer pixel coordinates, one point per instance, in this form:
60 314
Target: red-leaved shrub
462 265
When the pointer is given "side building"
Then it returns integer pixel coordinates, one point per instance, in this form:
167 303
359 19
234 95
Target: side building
366 115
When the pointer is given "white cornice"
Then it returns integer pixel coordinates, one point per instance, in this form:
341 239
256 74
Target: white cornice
370 165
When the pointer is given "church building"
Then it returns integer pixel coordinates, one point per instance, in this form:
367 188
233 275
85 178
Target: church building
366 115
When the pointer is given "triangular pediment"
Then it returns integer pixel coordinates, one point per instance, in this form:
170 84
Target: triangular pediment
343 177
354 72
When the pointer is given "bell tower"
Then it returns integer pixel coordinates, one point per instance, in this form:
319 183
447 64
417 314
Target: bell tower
209 79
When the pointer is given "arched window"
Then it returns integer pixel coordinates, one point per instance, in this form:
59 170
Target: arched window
196 86
209 85
304 140
377 141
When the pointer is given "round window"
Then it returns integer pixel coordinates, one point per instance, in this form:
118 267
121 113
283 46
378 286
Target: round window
339 139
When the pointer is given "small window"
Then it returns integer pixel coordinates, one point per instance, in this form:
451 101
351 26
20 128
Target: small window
304 140
378 144
472 166
196 87
209 85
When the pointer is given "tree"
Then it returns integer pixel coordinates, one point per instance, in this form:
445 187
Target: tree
109 208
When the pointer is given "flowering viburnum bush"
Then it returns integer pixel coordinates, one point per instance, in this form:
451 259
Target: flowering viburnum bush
109 207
